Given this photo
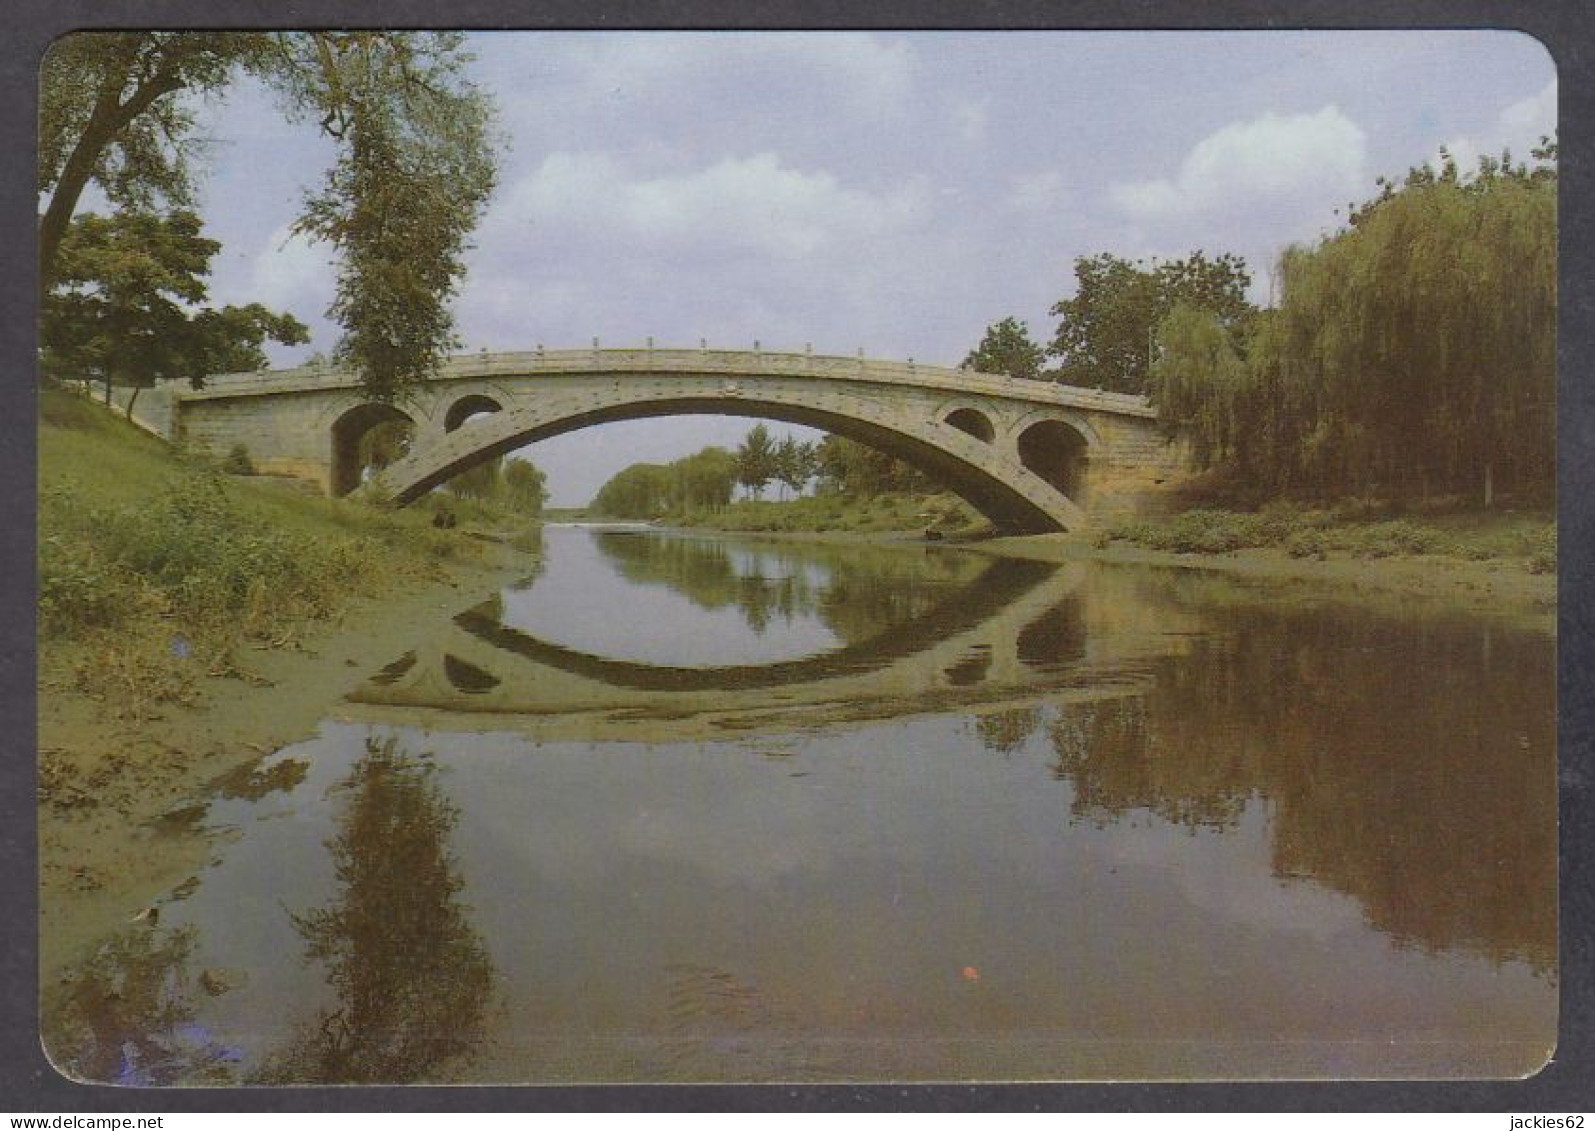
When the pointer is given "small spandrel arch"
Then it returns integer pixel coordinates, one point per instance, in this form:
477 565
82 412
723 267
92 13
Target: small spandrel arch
974 422
468 407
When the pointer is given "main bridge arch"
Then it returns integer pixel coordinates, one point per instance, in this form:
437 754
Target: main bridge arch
991 476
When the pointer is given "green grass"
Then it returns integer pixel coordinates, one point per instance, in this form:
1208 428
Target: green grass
1352 529
149 557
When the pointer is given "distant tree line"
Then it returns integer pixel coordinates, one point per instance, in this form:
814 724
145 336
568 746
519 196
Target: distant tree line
516 484
707 480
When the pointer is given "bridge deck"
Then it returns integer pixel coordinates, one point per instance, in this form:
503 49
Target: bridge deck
727 363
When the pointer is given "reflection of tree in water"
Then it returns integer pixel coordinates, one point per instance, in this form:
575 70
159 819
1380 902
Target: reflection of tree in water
856 595
1410 767
1003 732
411 974
1108 749
127 1016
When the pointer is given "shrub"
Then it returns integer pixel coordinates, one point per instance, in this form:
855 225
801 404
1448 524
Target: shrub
238 461
1307 544
205 560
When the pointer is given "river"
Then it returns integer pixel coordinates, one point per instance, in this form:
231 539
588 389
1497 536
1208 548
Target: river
686 808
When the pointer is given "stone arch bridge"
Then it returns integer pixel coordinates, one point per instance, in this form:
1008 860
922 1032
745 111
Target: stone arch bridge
1023 453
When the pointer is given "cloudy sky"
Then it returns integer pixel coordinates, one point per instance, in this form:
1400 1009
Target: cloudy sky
895 192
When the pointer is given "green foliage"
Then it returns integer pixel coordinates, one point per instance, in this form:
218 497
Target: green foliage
1197 382
478 482
1345 531
132 540
524 487
704 480
830 512
701 482
1007 349
641 491
501 484
1106 332
795 463
412 179
847 467
238 461
109 114
386 442
756 460
122 311
1413 353
1209 532
196 554
414 169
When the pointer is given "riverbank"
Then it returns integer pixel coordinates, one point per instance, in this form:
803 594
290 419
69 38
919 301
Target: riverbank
162 677
1492 588
1497 563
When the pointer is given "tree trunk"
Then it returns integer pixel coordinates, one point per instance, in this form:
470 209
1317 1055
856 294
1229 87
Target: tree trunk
131 399
108 119
1489 484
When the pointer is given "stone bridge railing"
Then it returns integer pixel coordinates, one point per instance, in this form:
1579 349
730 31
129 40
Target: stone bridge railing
730 363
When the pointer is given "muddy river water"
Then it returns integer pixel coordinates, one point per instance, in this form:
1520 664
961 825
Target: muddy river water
682 807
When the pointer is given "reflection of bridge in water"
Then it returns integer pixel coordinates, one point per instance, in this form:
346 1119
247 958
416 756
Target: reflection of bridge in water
1018 629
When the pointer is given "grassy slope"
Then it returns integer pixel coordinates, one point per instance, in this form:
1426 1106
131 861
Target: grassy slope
179 682
143 553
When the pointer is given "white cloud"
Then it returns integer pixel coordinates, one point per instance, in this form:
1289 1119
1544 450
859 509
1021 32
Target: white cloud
1271 158
1517 128
1532 117
755 204
292 273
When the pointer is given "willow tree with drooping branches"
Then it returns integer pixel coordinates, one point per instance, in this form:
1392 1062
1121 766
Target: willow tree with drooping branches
1412 353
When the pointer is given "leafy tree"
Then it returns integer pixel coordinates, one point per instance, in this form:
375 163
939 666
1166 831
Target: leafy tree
1007 349
386 442
415 162
480 482
125 308
756 460
1200 383
524 485
849 468
639 491
795 462
704 480
1106 335
1413 351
